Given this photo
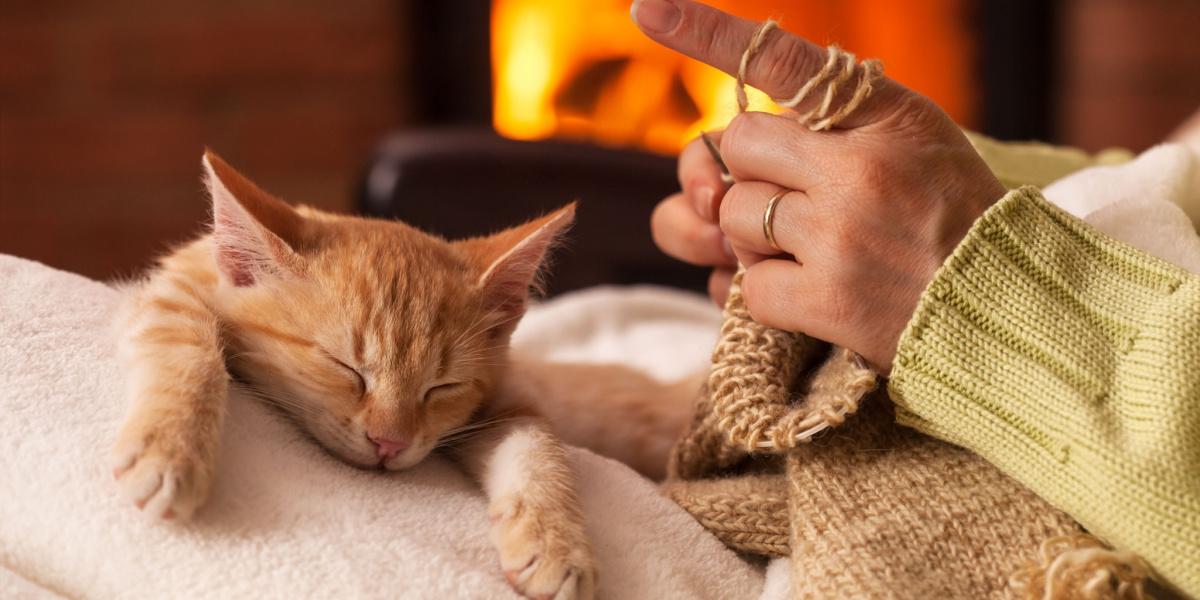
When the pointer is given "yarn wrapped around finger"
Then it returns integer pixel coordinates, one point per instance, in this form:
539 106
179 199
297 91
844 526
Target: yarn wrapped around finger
839 69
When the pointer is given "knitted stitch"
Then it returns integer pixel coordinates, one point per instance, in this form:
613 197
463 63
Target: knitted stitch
881 511
1070 361
748 513
869 509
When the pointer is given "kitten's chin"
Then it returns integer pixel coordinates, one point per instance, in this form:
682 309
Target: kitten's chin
406 459
357 461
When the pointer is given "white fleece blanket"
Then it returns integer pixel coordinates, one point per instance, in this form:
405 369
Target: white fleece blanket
287 521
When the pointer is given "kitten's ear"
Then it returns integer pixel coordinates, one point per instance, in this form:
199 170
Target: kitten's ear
511 260
251 228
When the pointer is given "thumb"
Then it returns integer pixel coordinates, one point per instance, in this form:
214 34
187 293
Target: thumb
782 65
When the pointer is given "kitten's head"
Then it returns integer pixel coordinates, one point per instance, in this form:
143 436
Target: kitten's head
378 339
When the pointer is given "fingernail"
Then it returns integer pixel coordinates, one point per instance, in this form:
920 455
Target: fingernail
657 16
703 199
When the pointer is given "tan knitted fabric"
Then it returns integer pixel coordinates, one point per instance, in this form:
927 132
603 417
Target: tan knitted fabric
748 513
867 508
776 462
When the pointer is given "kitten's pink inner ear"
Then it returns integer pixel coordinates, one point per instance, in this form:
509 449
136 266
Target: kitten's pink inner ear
251 228
515 256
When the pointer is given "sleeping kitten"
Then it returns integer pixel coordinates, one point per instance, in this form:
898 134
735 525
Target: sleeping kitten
382 343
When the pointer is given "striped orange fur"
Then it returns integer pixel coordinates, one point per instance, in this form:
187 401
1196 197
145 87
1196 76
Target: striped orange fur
364 330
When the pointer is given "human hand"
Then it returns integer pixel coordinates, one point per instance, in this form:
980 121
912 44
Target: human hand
878 203
685 225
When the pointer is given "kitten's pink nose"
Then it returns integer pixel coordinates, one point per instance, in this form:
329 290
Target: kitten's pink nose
388 449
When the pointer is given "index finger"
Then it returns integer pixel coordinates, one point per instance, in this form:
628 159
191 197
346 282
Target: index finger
782 65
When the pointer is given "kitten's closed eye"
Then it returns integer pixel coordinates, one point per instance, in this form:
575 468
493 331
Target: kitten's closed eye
360 382
442 390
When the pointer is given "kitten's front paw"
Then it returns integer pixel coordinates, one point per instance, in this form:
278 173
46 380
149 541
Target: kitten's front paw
544 553
165 473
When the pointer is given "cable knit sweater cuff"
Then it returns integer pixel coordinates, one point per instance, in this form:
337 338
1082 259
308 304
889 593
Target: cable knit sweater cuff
1068 360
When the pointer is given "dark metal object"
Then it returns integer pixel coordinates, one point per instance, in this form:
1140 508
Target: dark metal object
462 183
726 176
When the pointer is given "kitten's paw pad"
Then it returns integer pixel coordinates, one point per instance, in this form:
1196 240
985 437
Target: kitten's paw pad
542 581
163 482
544 555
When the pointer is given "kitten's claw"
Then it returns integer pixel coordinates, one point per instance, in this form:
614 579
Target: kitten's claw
544 554
166 481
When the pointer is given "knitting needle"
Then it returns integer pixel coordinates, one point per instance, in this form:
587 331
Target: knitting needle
726 176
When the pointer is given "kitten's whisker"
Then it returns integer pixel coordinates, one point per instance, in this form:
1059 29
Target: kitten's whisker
476 426
286 403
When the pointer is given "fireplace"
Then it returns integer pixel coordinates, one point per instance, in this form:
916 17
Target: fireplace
523 105
582 70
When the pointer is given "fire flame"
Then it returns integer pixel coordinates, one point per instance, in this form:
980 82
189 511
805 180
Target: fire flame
581 69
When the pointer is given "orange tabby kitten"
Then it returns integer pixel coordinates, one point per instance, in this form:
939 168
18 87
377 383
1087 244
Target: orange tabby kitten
382 343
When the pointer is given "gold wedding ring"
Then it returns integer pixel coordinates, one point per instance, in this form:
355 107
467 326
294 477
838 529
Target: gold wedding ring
769 219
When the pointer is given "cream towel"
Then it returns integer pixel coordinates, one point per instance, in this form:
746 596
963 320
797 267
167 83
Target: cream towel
285 520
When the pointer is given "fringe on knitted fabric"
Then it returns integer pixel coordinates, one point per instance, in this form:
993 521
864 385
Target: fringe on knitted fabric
768 391
1081 567
757 395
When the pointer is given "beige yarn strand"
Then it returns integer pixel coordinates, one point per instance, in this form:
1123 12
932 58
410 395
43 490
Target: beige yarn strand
871 71
838 70
1081 565
754 371
834 86
756 42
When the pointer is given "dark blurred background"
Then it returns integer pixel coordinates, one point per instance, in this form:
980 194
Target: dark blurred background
483 112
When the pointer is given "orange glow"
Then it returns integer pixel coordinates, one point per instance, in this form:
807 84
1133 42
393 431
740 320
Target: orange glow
581 70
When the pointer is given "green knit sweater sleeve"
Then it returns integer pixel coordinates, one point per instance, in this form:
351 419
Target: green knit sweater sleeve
1072 362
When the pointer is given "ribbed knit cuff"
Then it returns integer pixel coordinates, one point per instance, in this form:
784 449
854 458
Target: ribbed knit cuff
1060 356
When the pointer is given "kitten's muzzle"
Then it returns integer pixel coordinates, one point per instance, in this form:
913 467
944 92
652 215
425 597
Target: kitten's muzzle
387 449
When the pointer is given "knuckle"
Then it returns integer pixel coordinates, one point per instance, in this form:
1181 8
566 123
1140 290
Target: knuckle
789 59
730 203
708 21
844 239
744 131
870 171
914 114
735 134
836 239
760 301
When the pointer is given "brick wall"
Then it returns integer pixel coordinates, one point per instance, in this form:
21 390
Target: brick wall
106 107
1130 70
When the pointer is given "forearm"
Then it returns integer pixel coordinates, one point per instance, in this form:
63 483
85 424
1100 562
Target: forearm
1068 360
